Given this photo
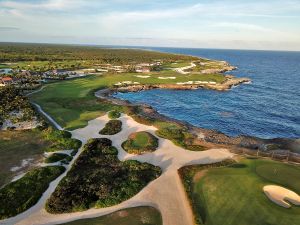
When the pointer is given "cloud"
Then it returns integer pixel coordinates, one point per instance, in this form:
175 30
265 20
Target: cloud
9 28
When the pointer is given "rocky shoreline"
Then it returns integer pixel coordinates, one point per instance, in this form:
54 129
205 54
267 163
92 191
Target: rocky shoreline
206 136
226 85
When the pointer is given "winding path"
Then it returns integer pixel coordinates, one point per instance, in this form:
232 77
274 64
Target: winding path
166 193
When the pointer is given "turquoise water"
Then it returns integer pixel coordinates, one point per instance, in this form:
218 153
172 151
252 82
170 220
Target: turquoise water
269 107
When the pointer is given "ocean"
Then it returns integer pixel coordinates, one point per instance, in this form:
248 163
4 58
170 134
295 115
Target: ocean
268 107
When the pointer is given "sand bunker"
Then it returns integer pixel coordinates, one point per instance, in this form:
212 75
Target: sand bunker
141 76
167 78
281 196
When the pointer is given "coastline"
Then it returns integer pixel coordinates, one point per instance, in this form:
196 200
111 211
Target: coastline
239 144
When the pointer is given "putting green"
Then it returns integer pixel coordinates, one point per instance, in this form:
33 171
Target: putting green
234 195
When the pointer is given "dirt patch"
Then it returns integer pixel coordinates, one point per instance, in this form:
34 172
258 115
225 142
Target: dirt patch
199 175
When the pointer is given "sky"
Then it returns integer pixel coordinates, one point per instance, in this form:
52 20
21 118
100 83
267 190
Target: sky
229 24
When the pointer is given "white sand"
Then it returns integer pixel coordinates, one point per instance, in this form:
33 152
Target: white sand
166 193
281 196
24 163
167 78
141 76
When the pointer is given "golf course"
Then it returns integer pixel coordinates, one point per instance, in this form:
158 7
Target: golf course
72 103
233 194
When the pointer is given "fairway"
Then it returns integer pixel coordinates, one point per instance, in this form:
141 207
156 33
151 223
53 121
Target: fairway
233 195
72 103
132 216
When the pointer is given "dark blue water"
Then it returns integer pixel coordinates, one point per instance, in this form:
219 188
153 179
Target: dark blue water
269 107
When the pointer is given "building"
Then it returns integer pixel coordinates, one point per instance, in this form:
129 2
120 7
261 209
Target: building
142 70
6 81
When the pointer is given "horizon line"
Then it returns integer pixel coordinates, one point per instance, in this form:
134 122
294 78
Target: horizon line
143 46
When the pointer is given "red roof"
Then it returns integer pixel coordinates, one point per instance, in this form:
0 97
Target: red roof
6 79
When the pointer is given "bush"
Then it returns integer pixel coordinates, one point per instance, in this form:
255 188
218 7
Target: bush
22 194
112 127
114 114
55 157
60 140
99 179
140 142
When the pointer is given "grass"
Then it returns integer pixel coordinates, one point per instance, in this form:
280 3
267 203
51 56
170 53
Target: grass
72 103
55 157
98 179
132 216
176 64
140 142
233 195
16 146
112 127
22 194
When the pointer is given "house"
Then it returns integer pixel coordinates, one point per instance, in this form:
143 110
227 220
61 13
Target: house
60 72
6 81
142 70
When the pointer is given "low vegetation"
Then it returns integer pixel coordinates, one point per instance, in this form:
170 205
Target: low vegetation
99 179
214 192
22 194
114 114
60 140
55 157
178 135
140 142
86 55
12 101
112 127
132 216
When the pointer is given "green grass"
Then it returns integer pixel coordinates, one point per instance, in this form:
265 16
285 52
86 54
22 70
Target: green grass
132 216
111 127
72 103
2 66
140 142
16 146
176 64
233 195
55 157
22 194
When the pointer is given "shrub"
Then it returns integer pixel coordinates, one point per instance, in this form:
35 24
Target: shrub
114 114
20 195
55 157
60 140
112 127
99 179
